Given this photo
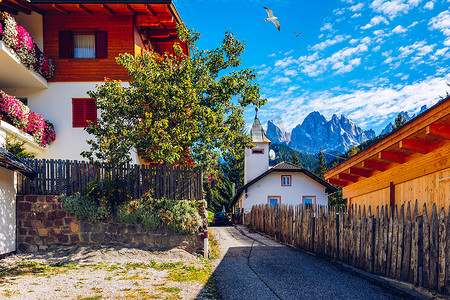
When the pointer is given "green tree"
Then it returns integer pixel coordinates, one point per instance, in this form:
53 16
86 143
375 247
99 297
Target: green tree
295 159
399 121
177 109
219 189
321 167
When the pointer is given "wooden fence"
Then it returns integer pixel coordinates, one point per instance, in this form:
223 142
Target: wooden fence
57 177
395 243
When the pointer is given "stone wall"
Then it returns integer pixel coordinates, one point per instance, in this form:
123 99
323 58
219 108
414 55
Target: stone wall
42 222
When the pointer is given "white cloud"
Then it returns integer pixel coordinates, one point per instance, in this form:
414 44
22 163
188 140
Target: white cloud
375 21
399 29
341 61
329 42
393 8
388 60
356 7
326 26
279 79
290 73
368 107
289 52
441 22
272 55
429 5
442 51
413 24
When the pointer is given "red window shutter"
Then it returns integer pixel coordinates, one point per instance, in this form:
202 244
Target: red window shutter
78 112
65 44
91 111
101 44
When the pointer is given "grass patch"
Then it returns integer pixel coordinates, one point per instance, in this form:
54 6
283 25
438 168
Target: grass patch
213 245
22 268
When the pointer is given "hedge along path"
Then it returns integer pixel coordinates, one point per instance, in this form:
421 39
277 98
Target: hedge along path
394 242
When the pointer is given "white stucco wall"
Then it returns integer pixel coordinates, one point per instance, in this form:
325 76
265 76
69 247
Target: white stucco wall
34 25
55 104
256 164
7 211
270 185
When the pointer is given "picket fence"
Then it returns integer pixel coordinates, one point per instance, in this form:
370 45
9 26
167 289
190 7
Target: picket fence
57 177
394 243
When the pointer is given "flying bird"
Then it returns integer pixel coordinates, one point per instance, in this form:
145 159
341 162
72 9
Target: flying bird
297 34
272 18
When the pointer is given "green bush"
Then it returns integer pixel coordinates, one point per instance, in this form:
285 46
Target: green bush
112 192
85 208
181 216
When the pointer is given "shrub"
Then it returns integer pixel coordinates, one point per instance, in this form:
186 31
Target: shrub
85 208
16 148
112 192
181 216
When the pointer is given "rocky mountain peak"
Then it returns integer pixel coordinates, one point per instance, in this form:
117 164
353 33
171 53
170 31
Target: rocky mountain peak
315 132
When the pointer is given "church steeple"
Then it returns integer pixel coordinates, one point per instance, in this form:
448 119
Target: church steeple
256 158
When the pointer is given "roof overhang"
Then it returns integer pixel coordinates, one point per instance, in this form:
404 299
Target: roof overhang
425 133
10 162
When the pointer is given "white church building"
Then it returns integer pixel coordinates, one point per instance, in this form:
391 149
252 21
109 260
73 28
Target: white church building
284 183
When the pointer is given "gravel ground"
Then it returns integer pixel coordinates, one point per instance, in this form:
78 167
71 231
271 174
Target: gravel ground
256 267
102 272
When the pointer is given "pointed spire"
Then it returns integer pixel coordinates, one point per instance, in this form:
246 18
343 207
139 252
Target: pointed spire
257 132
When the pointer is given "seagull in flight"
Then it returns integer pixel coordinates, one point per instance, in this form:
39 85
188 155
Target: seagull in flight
272 18
297 34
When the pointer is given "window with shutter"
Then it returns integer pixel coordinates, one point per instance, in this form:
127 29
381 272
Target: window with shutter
101 44
83 44
84 110
65 44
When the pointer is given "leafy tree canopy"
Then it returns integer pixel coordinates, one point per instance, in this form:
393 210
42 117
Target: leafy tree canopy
177 109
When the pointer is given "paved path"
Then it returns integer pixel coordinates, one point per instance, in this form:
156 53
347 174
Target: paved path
255 267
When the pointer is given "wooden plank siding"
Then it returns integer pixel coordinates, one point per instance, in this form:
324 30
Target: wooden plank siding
426 189
120 34
400 243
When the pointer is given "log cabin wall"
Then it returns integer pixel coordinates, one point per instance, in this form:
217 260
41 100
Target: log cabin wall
410 183
120 39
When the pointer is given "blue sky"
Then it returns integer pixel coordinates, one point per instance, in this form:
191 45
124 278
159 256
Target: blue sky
368 60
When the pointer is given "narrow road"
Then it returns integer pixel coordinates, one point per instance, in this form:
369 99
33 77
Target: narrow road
255 267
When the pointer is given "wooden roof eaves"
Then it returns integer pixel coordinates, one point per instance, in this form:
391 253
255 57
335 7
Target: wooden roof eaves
418 123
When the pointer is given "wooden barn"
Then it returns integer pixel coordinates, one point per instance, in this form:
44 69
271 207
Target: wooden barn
411 163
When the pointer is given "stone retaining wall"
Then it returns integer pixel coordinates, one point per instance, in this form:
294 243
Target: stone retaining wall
42 222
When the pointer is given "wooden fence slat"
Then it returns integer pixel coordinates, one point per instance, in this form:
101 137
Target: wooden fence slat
426 247
447 255
401 225
434 248
394 244
441 258
406 259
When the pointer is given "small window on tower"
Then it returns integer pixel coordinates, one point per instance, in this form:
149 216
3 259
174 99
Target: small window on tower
257 151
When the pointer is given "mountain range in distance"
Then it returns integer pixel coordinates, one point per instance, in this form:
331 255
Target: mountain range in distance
336 135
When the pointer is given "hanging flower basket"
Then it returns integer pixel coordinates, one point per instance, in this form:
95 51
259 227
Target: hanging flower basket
18 114
18 39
